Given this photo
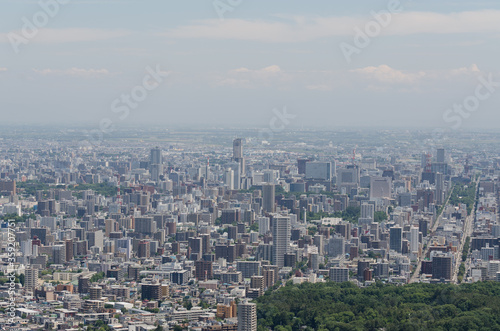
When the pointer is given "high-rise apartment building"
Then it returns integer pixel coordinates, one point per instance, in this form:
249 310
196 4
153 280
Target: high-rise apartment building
247 316
281 239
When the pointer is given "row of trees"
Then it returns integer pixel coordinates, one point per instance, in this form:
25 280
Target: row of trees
344 306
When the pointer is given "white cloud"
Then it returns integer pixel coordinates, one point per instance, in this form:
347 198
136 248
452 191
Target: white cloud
245 77
302 29
75 72
386 74
55 36
465 71
3 69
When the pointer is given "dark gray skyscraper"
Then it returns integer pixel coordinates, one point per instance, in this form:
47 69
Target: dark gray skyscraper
268 198
396 239
440 155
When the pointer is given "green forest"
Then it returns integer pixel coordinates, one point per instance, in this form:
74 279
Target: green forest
344 306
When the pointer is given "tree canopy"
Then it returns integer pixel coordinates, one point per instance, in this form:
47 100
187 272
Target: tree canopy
344 306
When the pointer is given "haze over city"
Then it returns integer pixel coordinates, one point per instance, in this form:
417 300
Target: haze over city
231 64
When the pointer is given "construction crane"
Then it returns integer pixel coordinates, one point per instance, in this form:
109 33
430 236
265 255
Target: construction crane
428 163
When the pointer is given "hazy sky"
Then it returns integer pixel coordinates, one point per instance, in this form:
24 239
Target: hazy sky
234 61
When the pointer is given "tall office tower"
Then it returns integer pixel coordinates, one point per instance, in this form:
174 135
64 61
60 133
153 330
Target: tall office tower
336 246
68 244
247 316
59 254
367 210
440 155
281 239
396 239
268 198
155 164
442 266
144 249
348 175
236 167
263 225
229 178
339 275
380 187
196 246
145 225
237 148
109 226
238 154
31 278
95 238
344 229
414 243
439 188
301 165
155 157
319 242
314 261
319 170
423 160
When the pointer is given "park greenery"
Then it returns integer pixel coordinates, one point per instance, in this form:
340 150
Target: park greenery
465 250
350 214
97 277
17 218
344 306
104 189
463 194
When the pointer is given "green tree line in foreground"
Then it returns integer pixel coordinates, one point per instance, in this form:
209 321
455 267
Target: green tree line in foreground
344 306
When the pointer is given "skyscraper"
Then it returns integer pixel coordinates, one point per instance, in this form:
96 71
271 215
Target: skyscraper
281 239
238 154
440 155
414 239
319 170
236 177
336 246
396 239
59 254
229 179
155 157
380 187
247 316
155 164
268 198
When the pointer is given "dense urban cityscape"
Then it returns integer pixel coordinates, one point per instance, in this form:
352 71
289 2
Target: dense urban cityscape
177 230
237 165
